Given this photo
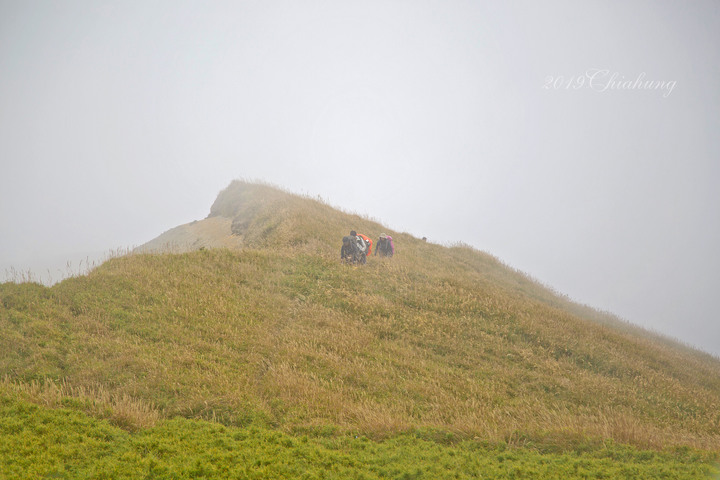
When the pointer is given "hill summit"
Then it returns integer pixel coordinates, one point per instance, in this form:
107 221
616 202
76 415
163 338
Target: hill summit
251 317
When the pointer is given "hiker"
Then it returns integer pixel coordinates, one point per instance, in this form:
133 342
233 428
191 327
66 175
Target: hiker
363 243
348 250
385 246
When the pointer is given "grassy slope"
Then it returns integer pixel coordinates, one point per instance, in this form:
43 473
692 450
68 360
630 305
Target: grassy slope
62 443
281 335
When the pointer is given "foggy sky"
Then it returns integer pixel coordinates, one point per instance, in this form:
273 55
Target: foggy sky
576 141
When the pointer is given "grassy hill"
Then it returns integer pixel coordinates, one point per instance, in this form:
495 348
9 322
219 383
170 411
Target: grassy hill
274 334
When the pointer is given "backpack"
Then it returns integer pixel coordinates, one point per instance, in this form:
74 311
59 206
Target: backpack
368 243
360 245
391 245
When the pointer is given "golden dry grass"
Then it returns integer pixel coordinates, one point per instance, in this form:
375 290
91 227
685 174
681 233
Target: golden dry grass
282 333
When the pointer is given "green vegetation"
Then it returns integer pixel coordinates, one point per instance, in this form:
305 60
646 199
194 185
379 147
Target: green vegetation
43 443
277 361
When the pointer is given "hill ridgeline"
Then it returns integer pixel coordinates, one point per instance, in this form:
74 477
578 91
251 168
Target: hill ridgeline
248 316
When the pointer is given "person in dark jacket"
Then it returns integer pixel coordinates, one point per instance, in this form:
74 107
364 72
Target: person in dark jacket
385 246
347 251
350 252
